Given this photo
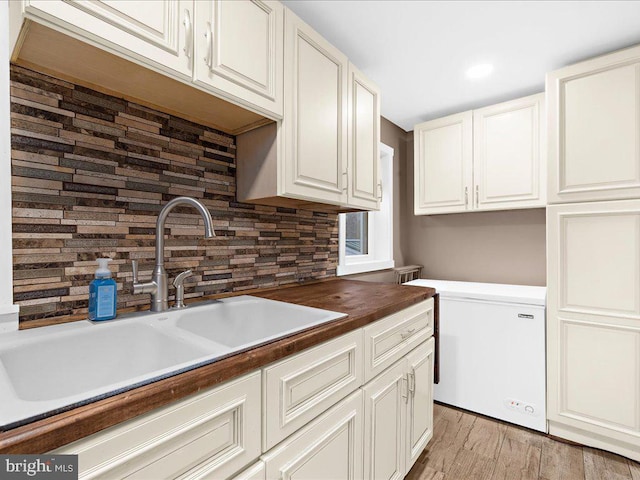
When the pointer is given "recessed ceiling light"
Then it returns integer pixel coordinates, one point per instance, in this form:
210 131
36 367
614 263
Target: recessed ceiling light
479 71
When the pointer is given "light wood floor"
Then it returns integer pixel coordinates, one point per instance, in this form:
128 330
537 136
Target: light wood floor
473 447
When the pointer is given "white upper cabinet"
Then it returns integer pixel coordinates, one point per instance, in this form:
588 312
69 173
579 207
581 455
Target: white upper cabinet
443 156
326 148
231 49
149 30
487 159
315 118
239 48
365 189
594 129
509 158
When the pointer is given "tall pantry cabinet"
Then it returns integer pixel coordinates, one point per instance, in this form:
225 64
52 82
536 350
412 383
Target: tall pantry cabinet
593 251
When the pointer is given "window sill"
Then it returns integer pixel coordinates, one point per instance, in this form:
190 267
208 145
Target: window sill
364 267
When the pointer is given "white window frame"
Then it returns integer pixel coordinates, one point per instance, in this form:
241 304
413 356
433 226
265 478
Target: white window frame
380 234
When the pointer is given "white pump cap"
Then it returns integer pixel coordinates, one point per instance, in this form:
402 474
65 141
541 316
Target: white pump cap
103 269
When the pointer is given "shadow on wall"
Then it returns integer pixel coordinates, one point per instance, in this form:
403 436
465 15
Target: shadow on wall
497 247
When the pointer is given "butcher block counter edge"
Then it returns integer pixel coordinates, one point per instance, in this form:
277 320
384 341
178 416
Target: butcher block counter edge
363 302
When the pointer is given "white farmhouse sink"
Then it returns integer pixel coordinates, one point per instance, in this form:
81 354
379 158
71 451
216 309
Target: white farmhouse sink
90 359
54 368
246 321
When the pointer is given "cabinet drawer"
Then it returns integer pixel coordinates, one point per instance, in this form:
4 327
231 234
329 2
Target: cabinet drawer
301 387
391 338
215 433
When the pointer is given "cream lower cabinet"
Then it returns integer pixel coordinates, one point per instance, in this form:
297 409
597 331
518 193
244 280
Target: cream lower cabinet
594 129
328 448
398 411
309 415
255 472
487 159
298 389
210 435
593 324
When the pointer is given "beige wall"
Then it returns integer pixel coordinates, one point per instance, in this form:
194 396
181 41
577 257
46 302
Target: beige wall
396 138
498 247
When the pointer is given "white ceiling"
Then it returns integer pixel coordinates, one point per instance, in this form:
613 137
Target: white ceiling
418 51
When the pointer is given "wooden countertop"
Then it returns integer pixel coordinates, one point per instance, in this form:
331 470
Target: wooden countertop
364 302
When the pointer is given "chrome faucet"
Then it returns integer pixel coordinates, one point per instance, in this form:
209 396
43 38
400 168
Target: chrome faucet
158 287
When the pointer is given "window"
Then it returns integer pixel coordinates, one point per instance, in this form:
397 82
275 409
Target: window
356 233
366 238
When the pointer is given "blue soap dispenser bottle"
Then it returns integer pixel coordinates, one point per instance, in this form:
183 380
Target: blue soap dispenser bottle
102 293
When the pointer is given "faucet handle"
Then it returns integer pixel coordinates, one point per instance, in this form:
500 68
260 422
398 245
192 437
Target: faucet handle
179 284
134 268
149 287
179 280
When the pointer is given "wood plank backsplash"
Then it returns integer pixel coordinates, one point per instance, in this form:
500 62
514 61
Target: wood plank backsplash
90 172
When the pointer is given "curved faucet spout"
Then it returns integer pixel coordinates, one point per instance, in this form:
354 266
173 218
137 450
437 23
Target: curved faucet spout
158 286
162 217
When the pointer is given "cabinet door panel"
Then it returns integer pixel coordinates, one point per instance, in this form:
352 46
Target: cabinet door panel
364 138
299 388
593 323
508 164
443 159
212 433
152 30
239 51
595 251
316 115
385 400
328 448
594 129
589 391
420 404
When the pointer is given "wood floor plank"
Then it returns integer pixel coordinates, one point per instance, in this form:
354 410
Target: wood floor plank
469 465
517 461
464 445
635 469
420 472
601 465
450 431
523 435
561 461
486 437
